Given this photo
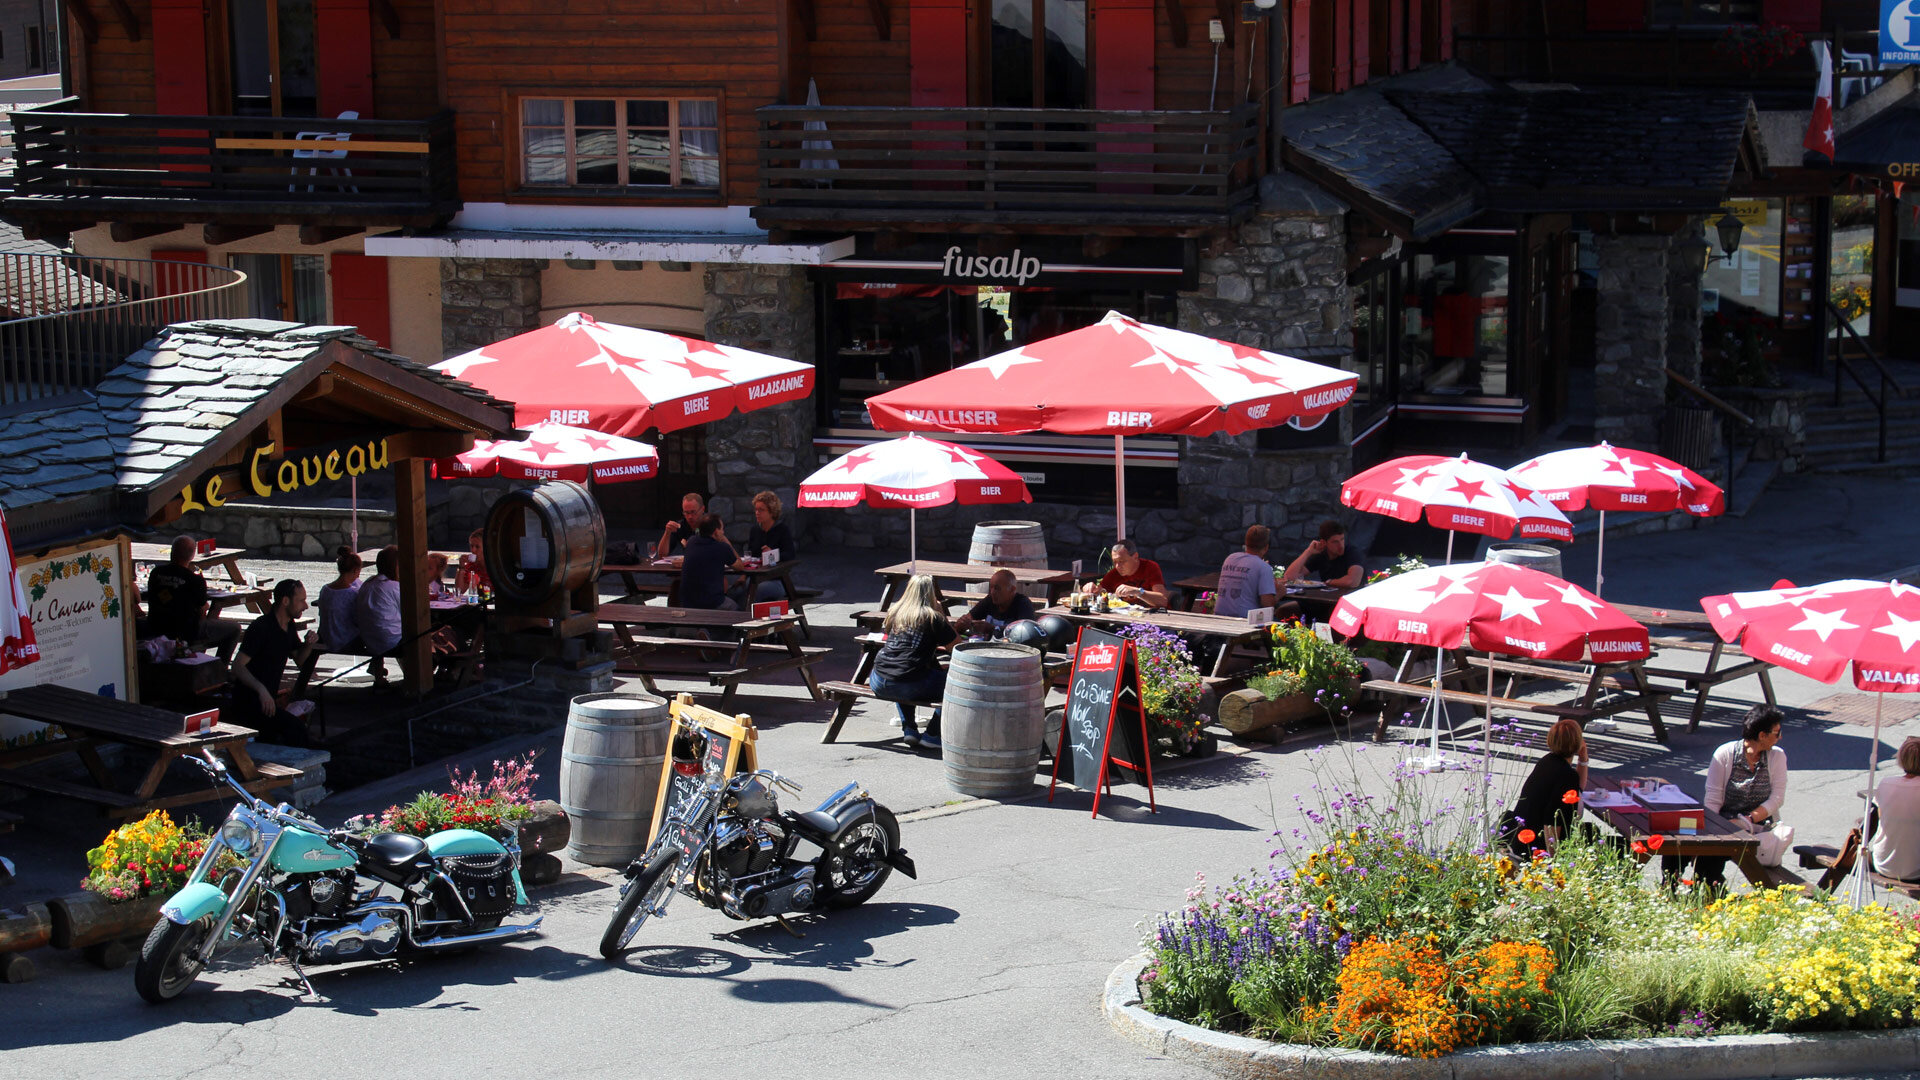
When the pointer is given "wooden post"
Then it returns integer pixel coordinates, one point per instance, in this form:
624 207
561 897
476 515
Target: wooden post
410 513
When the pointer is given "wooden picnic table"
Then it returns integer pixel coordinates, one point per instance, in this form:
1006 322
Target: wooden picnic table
1317 595
1057 582
87 720
641 654
1626 679
1238 633
1717 837
256 600
781 571
1678 621
227 559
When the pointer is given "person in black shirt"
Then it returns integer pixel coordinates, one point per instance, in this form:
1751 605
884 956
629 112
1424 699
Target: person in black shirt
1327 559
269 643
703 572
177 604
1003 604
1543 809
908 666
693 507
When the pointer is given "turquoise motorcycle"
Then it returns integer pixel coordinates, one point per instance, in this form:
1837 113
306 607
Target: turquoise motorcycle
311 895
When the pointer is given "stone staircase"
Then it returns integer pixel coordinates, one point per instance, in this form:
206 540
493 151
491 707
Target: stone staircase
1846 437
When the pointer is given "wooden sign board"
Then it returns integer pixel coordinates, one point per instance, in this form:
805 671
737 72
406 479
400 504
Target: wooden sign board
76 597
729 749
1104 700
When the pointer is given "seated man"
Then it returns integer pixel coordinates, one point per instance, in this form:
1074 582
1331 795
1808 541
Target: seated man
177 604
1246 577
1003 604
679 532
1327 559
1133 579
269 643
703 577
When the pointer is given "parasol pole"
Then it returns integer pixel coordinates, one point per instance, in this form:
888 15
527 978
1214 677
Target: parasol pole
353 526
913 540
1600 557
1866 812
1120 485
1449 547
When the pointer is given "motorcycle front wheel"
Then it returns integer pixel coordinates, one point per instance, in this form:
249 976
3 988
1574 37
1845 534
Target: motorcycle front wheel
855 862
646 895
168 961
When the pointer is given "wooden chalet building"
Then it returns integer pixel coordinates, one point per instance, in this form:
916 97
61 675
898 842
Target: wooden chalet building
885 188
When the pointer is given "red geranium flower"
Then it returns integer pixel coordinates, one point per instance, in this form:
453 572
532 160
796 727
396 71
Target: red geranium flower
1570 797
1526 836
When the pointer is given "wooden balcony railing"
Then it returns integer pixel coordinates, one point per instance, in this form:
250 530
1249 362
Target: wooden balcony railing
1005 166
230 168
66 320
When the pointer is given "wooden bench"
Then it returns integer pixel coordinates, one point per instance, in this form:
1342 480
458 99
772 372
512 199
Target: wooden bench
1520 670
1822 856
1390 688
1625 679
777 658
845 695
47 785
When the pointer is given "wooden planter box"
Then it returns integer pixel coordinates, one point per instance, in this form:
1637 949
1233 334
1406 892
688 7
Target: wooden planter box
82 919
1246 711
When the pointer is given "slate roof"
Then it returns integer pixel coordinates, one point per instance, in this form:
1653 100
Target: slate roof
1430 153
149 417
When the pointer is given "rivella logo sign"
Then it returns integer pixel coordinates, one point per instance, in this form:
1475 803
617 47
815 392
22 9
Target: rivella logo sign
1899 32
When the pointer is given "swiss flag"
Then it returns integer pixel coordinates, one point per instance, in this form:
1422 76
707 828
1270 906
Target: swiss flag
1819 136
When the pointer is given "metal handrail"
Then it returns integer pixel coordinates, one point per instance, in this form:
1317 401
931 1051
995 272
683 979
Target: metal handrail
1714 402
1844 364
77 317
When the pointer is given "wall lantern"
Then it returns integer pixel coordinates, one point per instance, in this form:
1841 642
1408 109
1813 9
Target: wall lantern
1729 229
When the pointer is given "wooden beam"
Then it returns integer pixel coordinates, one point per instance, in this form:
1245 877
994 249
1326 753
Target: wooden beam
89 26
56 234
1177 22
428 444
216 235
128 20
882 18
804 9
410 520
325 234
1228 12
318 388
388 16
126 232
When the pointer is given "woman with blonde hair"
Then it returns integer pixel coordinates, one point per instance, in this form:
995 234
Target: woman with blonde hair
908 667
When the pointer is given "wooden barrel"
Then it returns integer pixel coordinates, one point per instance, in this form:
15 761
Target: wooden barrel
992 719
610 760
544 541
1532 556
1020 544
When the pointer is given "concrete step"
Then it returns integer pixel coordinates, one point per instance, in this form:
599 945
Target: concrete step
1860 449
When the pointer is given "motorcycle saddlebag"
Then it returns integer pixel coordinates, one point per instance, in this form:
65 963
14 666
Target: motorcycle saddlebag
485 882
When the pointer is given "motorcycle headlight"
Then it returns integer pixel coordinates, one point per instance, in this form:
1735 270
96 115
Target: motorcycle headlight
239 835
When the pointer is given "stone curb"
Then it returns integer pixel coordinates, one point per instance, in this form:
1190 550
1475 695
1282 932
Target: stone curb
1726 1057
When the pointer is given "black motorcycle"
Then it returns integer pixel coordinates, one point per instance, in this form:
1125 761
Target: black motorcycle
727 843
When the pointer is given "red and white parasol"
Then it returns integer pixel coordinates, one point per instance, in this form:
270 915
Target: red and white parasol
1821 630
1120 377
557 452
1457 494
1607 477
17 646
622 380
1493 607
913 472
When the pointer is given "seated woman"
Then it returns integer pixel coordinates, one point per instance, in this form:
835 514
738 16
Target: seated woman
1542 809
908 667
1746 783
338 631
471 576
769 535
376 611
436 574
1896 819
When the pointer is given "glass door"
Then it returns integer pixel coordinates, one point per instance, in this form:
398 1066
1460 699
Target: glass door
1037 54
272 57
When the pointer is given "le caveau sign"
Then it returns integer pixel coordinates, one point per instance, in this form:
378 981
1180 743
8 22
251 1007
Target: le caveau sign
266 475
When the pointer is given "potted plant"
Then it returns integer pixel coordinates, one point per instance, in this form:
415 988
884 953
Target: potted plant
501 805
1170 688
129 876
1309 676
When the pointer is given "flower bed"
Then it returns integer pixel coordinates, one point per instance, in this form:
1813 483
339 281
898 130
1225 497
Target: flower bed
149 857
1391 922
495 805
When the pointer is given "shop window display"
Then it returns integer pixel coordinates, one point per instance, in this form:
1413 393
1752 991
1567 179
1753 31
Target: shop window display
1454 327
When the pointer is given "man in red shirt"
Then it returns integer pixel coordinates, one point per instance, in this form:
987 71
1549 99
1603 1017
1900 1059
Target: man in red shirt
1133 579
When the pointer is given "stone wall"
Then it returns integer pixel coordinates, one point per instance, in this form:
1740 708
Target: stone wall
767 309
486 300
1685 263
1631 339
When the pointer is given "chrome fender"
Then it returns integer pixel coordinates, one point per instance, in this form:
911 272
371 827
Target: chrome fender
197 901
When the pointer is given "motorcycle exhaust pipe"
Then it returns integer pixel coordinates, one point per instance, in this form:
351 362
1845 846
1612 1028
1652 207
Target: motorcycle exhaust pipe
498 933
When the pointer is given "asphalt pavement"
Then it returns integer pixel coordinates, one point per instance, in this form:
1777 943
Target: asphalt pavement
991 964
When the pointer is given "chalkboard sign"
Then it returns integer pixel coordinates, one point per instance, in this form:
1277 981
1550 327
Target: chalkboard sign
1105 724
